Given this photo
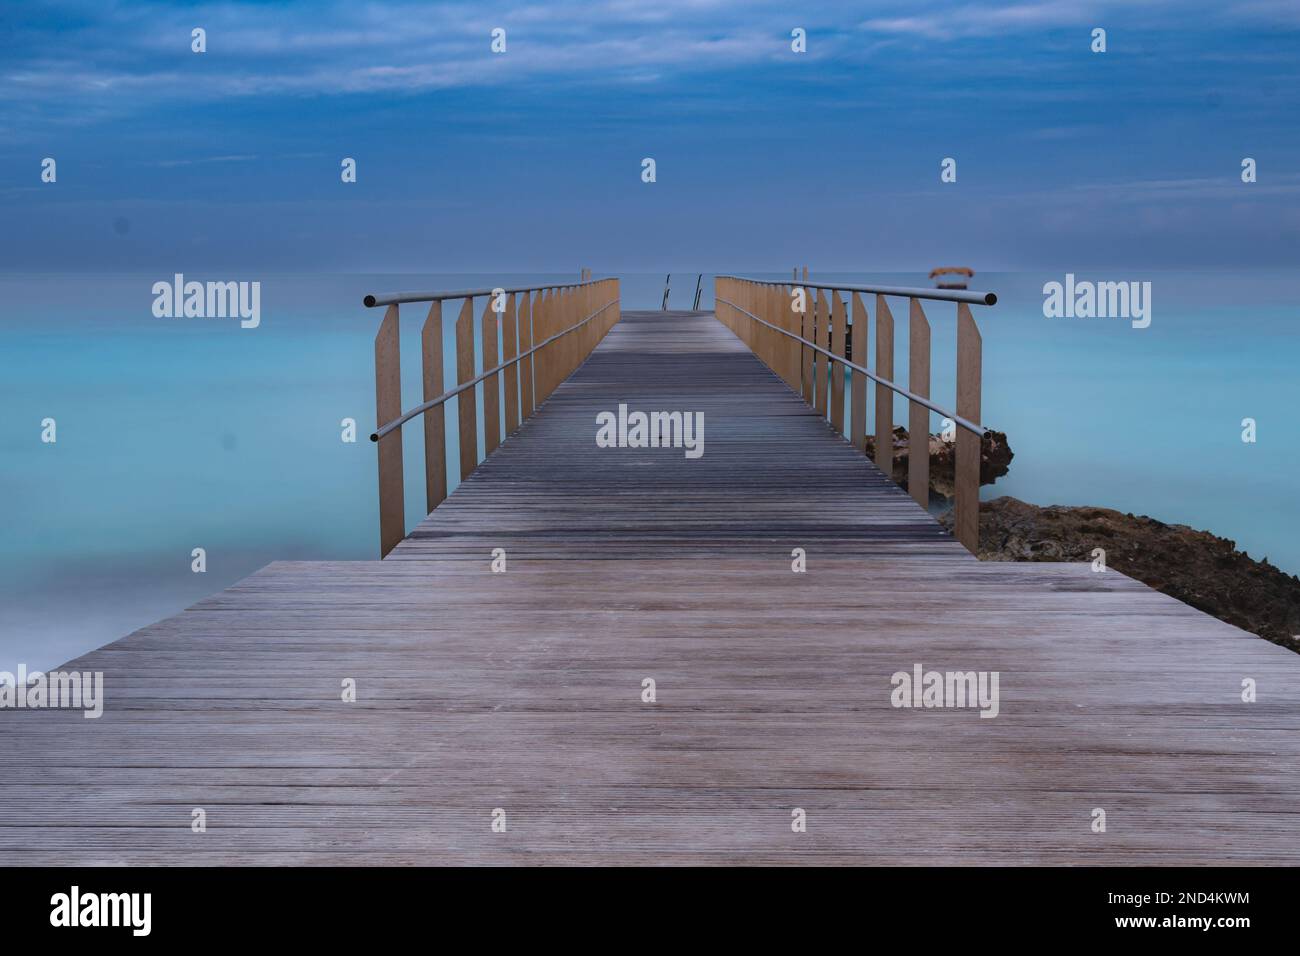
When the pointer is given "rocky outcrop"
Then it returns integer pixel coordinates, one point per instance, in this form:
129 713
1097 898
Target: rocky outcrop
1196 567
995 459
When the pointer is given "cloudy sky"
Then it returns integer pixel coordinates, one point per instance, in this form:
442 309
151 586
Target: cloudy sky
530 160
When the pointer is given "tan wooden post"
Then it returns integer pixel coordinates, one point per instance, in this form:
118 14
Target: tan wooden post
807 318
884 397
509 349
465 401
970 347
526 405
838 323
435 422
823 341
858 384
918 419
491 384
388 406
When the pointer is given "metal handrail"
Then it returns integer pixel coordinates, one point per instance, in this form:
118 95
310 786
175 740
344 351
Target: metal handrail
399 298
964 423
464 386
941 295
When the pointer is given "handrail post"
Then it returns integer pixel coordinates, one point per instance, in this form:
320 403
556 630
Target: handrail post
823 363
435 421
491 384
509 349
526 395
838 323
388 405
918 419
465 401
541 329
858 383
970 347
807 319
884 397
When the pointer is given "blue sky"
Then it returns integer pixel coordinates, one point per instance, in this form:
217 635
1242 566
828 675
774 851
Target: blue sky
530 160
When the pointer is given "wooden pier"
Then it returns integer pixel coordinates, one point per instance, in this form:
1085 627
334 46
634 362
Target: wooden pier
523 691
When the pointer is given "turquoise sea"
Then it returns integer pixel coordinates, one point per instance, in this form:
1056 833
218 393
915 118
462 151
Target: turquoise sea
182 433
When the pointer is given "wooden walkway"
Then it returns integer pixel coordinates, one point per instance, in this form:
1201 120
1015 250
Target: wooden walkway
522 691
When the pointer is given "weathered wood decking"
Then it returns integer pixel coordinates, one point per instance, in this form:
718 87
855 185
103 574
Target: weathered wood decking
522 690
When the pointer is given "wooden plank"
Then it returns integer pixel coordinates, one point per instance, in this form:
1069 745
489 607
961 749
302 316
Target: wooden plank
966 466
526 401
466 402
859 383
884 395
435 420
838 338
509 350
918 416
388 406
491 384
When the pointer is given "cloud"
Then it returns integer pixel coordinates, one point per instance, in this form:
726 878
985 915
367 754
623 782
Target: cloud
986 19
947 21
113 58
331 48
170 163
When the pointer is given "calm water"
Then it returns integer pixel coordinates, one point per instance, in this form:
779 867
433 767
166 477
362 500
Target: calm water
182 433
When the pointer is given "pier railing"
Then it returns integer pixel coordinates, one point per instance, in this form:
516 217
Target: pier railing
803 332
532 338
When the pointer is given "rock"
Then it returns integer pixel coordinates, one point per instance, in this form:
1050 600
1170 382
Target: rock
995 459
1196 567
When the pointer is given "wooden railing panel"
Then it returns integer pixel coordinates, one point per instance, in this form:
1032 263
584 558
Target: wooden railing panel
823 363
794 354
491 384
918 419
808 321
884 397
858 383
838 323
526 370
970 348
509 349
540 306
465 401
388 405
435 421
546 354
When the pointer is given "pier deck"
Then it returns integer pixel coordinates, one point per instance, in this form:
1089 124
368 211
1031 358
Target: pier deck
523 691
